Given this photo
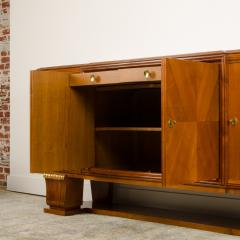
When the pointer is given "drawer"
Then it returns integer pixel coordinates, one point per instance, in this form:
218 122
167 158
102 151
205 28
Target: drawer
143 74
94 78
128 75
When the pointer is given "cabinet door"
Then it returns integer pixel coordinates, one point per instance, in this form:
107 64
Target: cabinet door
234 126
49 100
190 100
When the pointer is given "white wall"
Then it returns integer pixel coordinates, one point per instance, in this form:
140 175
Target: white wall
60 32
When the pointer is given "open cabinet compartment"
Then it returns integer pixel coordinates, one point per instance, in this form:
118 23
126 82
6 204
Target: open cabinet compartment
127 126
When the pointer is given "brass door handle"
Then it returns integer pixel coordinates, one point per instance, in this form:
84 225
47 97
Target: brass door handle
171 123
233 121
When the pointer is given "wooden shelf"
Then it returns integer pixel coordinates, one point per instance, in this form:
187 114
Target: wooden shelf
131 86
119 175
133 129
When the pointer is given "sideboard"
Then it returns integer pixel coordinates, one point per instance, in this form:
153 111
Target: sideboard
167 122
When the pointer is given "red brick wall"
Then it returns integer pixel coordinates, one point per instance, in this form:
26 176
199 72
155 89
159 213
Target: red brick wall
4 91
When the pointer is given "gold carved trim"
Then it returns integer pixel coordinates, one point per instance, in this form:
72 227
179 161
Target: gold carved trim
53 176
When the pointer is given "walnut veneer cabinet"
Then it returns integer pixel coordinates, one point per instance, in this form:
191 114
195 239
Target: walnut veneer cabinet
167 122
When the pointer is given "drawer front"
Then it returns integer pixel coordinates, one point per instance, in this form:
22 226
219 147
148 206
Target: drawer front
129 75
94 78
143 74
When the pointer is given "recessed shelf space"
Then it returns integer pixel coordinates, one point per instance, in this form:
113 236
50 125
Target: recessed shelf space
128 107
129 151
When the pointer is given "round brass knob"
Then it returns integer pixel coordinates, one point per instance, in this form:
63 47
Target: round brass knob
233 121
171 123
147 74
92 78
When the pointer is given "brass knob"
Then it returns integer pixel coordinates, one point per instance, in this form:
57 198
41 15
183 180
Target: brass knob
93 78
147 74
171 123
233 121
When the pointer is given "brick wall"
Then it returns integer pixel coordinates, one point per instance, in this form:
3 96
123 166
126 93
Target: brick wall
4 91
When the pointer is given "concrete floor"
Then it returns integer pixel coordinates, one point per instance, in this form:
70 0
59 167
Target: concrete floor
22 218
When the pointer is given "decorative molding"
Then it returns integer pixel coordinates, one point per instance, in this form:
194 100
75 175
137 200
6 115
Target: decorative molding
54 176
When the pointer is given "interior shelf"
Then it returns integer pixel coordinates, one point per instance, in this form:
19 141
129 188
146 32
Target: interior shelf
111 173
132 86
134 129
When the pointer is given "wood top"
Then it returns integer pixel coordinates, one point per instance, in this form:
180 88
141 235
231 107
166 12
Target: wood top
138 62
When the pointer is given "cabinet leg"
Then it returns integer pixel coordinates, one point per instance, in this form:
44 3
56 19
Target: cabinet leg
63 194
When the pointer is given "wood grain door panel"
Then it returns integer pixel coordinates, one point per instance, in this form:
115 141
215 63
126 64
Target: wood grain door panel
208 164
190 96
234 131
49 96
181 142
62 124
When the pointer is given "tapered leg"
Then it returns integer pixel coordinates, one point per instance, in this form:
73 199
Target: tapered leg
63 194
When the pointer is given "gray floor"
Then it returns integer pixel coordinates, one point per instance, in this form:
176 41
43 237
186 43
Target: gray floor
21 217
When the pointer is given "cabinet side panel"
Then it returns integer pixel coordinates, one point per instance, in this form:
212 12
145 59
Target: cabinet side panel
49 91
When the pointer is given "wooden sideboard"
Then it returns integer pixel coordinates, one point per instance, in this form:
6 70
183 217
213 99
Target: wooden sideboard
168 122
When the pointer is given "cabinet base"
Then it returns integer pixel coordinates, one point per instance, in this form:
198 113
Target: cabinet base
182 219
206 223
64 197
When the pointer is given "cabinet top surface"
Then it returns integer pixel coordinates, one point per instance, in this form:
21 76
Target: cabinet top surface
215 56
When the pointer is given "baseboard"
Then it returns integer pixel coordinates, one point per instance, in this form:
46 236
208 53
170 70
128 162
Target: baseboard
32 184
